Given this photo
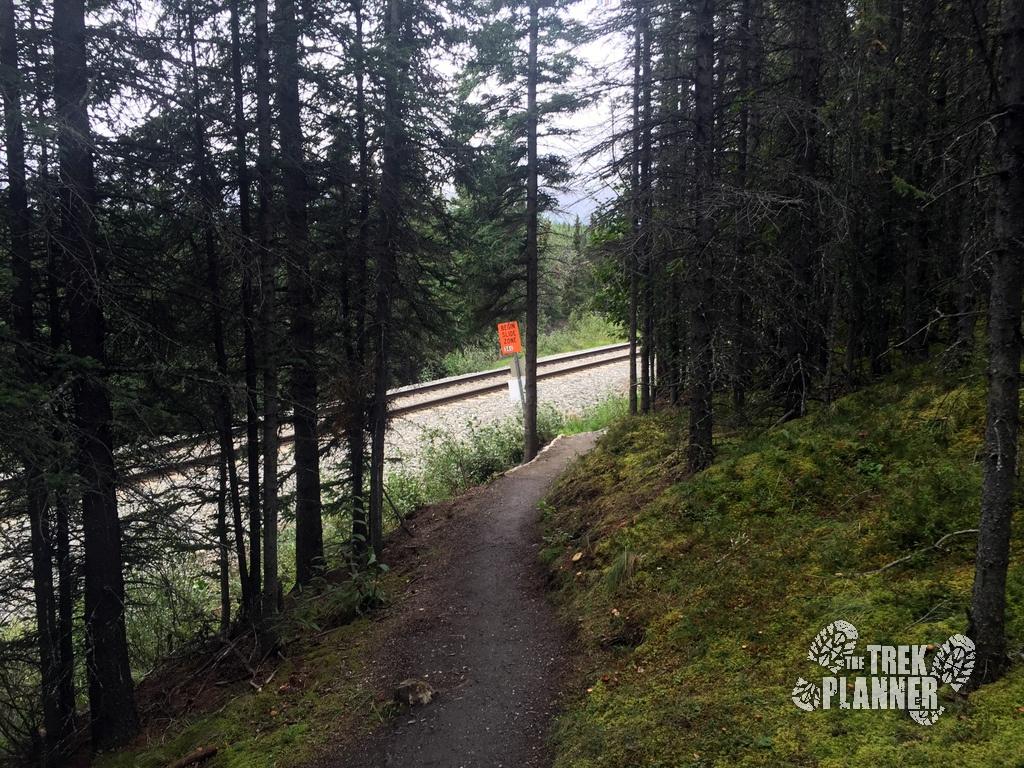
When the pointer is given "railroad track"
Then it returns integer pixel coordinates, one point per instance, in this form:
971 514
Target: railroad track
203 451
417 397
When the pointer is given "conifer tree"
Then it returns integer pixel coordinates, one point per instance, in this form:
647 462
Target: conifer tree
1002 413
113 715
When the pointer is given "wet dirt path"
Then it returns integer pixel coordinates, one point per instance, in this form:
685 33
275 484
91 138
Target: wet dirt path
478 628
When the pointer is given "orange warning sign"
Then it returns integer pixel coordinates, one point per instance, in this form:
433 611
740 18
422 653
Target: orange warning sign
508 338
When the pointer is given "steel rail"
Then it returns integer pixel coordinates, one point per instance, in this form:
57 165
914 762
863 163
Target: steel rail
490 386
498 373
485 382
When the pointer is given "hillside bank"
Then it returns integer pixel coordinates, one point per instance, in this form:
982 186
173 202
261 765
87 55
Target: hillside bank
696 599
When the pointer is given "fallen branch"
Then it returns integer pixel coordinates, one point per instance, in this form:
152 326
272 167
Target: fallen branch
401 520
232 648
203 753
936 545
785 417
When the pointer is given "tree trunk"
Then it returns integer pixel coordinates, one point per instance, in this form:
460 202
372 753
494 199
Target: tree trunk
970 215
634 218
64 675
225 413
803 251
114 717
531 444
309 539
748 82
700 452
988 604
223 547
880 267
67 583
644 242
56 712
919 245
248 299
387 263
268 330
355 395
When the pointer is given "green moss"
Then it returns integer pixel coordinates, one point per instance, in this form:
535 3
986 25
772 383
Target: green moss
734 571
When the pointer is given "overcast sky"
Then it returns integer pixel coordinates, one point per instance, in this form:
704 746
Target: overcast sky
595 124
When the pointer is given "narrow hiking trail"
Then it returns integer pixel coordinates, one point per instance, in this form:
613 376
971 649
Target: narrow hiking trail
476 625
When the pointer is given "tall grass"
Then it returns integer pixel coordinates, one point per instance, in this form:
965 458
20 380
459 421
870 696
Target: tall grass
453 462
601 415
585 330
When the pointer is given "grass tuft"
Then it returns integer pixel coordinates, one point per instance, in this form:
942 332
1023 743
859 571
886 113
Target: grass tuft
621 572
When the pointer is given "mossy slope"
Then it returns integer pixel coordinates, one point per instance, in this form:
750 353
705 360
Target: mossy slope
697 599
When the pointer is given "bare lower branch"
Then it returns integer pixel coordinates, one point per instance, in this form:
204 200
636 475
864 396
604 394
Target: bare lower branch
936 545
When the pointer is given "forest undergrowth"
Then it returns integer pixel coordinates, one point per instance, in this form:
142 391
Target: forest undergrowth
696 599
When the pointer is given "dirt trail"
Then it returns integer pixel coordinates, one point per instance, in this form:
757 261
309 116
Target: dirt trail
479 629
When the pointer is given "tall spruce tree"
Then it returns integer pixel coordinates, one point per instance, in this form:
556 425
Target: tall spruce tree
988 605
309 541
522 58
113 715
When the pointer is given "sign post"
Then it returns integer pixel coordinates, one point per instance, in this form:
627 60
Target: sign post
508 340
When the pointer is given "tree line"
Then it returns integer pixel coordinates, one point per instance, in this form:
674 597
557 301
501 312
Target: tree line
219 217
813 193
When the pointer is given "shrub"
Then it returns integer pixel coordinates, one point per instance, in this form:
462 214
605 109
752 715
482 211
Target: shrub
451 464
